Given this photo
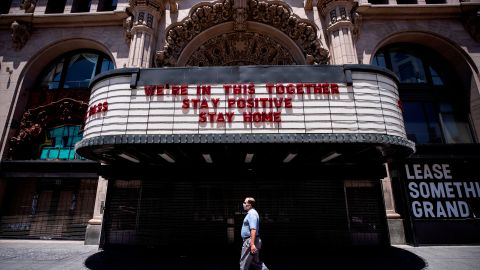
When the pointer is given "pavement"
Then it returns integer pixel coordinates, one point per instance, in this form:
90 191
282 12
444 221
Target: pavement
69 255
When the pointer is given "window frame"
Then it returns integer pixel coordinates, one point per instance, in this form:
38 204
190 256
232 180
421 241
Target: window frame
430 92
67 57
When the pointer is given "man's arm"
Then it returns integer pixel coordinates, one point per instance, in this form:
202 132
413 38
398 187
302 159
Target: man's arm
253 234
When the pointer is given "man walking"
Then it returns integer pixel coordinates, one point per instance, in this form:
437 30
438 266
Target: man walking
251 238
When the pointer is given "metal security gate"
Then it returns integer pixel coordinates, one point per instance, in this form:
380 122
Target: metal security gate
47 208
189 213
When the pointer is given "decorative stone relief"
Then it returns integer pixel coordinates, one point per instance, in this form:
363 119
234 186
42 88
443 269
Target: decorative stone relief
156 4
205 15
240 48
333 16
357 22
150 20
127 25
28 5
303 32
35 121
20 34
240 20
343 13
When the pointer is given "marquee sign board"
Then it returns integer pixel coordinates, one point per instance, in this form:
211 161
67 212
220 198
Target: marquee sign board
369 105
312 104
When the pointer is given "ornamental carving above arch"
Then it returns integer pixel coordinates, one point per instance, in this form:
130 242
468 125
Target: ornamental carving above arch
276 14
35 121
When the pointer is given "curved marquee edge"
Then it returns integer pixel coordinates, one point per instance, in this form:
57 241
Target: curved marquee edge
247 138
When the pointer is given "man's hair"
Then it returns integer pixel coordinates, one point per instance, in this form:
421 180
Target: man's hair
251 201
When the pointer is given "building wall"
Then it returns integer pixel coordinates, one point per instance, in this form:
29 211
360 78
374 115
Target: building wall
369 27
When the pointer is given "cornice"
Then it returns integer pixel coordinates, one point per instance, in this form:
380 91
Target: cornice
413 11
108 18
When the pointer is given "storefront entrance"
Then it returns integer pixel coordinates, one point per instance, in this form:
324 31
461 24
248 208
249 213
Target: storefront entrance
47 208
187 213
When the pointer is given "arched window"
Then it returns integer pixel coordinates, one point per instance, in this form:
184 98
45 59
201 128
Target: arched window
435 104
56 107
75 70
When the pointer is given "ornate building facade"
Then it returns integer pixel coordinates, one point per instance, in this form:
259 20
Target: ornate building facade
107 133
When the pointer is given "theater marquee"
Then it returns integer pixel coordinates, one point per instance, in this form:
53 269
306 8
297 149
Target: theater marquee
369 105
313 104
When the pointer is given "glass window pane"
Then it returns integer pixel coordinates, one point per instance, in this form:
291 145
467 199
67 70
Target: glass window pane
408 68
52 79
434 129
379 60
106 65
44 153
64 153
415 122
455 130
436 80
455 127
420 122
81 70
53 154
64 139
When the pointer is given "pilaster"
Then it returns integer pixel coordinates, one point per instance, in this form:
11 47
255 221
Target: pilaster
144 26
337 16
394 220
94 227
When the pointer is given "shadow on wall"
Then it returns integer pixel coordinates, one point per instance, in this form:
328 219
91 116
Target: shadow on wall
213 258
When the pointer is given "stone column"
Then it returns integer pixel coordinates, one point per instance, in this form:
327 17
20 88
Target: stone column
94 227
394 220
144 27
337 18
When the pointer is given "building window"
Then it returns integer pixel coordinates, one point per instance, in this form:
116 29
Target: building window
436 1
60 143
75 70
107 5
406 2
434 108
55 6
81 6
5 6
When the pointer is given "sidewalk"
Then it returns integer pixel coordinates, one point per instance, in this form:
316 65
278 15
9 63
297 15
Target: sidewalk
447 257
69 255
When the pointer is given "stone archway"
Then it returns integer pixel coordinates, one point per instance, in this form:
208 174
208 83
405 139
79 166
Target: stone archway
241 33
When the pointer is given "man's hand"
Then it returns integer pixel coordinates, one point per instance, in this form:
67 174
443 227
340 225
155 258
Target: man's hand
253 249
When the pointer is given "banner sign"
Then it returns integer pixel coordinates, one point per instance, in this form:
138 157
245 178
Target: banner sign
441 191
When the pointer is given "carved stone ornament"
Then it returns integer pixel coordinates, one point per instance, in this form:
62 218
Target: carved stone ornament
28 5
156 4
274 13
240 20
356 21
20 34
35 122
127 25
240 48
